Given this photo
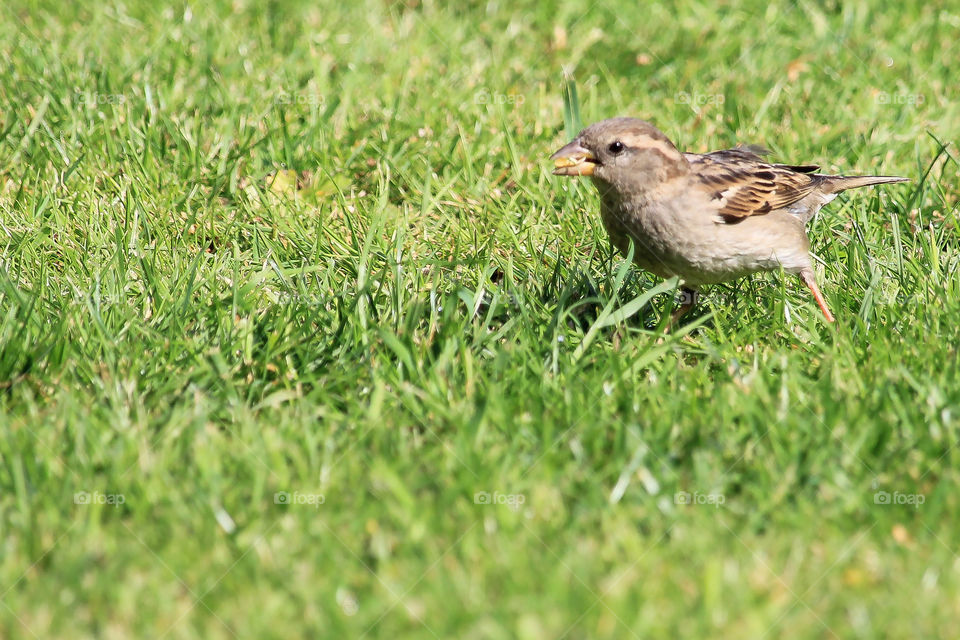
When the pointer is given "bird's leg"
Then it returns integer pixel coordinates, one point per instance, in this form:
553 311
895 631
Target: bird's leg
808 279
687 298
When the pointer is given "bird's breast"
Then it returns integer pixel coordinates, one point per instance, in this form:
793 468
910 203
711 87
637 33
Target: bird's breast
681 237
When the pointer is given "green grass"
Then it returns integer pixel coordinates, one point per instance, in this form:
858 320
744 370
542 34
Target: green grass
431 315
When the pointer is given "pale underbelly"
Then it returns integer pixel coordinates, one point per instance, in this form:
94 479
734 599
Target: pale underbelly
710 255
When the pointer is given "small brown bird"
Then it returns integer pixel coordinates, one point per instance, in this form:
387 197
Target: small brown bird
706 218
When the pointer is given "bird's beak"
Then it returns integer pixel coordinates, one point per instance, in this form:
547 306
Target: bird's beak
573 160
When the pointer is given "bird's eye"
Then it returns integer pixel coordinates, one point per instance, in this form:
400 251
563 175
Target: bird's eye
616 147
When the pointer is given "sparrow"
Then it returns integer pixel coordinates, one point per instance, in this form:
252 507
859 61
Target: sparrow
706 218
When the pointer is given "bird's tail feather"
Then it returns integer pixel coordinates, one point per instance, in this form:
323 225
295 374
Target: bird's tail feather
836 184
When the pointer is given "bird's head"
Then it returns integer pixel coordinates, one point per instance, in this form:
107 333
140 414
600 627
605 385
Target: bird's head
628 154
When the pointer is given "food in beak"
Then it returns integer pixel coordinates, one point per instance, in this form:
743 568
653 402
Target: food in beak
573 160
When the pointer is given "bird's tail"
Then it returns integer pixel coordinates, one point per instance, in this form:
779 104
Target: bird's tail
836 184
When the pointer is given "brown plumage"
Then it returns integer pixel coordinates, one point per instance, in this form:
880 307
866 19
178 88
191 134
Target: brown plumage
707 217
746 185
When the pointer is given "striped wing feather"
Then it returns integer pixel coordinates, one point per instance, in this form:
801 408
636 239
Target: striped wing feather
745 185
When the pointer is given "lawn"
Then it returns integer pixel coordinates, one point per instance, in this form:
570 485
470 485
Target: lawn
299 336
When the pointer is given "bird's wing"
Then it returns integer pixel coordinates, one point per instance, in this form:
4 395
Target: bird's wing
744 185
